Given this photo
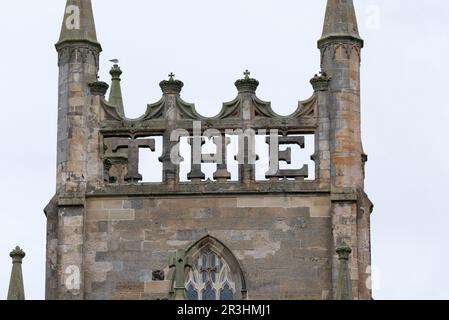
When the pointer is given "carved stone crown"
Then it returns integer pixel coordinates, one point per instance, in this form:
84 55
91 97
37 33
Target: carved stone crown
115 72
171 86
247 85
17 255
98 88
320 82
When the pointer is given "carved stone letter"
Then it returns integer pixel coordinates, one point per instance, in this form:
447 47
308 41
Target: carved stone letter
276 155
133 146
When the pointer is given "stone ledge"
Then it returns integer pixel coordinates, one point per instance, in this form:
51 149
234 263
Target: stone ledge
344 194
71 201
342 197
208 188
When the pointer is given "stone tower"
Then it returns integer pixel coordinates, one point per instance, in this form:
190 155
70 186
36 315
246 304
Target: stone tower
110 236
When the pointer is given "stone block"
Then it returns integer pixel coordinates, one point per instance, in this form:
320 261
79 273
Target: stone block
94 204
103 226
250 202
158 287
130 287
133 204
97 215
113 204
277 202
73 221
99 271
121 215
117 266
190 235
132 246
100 256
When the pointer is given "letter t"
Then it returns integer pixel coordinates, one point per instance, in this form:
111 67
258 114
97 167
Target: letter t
133 146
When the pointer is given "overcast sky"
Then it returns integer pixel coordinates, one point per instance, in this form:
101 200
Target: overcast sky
208 43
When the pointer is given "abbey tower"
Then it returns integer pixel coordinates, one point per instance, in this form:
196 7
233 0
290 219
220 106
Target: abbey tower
111 236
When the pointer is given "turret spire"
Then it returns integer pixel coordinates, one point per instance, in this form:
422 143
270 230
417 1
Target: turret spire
16 291
115 95
78 23
344 287
340 20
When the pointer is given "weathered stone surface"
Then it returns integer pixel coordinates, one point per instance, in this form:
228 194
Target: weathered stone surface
278 235
108 233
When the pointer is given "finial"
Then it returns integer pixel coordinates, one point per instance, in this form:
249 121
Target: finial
17 255
344 251
344 286
115 95
247 84
181 262
115 72
16 289
171 85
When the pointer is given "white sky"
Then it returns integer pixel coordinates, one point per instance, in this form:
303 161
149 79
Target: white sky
208 43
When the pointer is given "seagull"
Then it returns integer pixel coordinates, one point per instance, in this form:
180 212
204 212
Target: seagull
116 61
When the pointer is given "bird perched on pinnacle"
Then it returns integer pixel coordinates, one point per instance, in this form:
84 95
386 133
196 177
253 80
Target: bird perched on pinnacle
116 61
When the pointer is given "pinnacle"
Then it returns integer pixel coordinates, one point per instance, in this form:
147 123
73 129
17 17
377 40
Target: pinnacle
340 20
78 23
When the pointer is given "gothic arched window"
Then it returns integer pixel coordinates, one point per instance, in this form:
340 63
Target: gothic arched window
210 278
215 274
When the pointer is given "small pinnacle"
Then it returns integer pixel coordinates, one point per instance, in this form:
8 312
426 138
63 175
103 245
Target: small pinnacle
171 76
246 74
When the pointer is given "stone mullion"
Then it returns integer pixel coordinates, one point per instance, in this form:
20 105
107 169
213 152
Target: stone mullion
171 89
247 171
222 173
196 175
170 169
